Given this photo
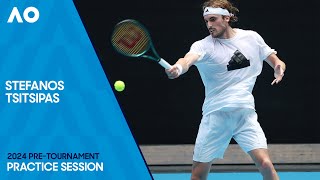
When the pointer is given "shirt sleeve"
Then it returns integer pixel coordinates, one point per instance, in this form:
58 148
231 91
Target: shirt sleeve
264 49
196 48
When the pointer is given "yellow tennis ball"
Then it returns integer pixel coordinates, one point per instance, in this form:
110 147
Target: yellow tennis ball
119 85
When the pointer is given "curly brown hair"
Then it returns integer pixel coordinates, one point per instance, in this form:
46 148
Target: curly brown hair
225 4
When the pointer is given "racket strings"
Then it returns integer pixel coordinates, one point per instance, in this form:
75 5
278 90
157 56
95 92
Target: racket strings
130 39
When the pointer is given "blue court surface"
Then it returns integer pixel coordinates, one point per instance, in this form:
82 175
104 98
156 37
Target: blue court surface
240 176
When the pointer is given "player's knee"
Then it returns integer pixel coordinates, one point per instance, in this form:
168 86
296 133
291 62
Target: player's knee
266 165
200 175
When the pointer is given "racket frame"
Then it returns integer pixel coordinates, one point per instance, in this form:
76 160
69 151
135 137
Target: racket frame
150 45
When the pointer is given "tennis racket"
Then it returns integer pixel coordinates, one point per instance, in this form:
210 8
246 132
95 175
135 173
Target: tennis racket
131 38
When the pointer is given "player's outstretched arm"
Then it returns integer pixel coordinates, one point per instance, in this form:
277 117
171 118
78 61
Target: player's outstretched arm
278 66
182 65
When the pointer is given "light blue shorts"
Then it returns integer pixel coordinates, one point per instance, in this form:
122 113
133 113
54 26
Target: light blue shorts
217 128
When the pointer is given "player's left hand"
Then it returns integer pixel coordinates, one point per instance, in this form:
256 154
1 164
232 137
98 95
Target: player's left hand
278 74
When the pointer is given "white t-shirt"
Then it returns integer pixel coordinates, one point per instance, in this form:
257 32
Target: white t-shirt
229 89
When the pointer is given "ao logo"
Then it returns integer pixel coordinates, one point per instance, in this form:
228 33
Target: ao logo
15 14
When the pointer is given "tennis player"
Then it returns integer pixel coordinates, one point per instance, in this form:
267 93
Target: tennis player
229 61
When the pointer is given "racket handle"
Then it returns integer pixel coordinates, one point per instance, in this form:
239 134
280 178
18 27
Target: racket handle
164 64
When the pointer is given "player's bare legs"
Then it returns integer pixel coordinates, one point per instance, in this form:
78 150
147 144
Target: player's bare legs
200 170
263 162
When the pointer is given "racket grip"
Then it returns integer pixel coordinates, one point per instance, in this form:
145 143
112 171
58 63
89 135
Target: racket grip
164 64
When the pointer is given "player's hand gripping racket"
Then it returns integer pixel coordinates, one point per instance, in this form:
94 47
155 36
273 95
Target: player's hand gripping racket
132 39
